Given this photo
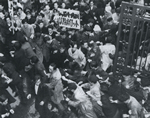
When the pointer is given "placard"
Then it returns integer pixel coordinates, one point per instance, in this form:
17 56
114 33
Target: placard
68 18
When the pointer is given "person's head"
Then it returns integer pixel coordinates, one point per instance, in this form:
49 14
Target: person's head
85 45
63 5
17 46
72 87
86 9
91 3
56 5
19 9
15 17
33 60
93 65
22 40
87 30
52 22
47 8
2 16
33 12
40 16
96 29
107 1
63 34
50 29
123 97
87 1
24 22
71 32
91 22
93 79
3 100
94 47
52 67
28 15
74 47
41 24
110 20
8 20
1 7
62 48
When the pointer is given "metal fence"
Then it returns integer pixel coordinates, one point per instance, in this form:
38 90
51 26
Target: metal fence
133 41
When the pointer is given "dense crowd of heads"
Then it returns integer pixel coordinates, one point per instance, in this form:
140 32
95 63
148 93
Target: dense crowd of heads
67 71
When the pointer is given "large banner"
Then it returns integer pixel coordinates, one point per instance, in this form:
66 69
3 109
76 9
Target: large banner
68 18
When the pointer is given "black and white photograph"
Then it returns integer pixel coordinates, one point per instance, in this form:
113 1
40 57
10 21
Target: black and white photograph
74 58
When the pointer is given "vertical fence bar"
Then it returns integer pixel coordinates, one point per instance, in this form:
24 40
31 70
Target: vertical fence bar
139 43
135 42
130 37
137 15
118 39
144 46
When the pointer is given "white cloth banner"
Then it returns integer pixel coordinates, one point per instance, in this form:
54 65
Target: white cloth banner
68 18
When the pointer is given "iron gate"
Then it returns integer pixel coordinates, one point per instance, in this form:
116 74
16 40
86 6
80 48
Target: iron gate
133 41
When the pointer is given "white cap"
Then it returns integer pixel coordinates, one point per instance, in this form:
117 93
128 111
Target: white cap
97 28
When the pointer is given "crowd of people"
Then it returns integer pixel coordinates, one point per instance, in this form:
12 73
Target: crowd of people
67 71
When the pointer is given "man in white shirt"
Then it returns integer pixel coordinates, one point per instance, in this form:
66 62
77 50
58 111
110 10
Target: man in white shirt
77 56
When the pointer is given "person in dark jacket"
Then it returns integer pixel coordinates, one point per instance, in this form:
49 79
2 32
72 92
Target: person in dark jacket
5 109
110 109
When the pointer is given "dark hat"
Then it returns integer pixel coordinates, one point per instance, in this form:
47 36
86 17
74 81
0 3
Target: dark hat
87 28
27 10
93 64
63 32
3 59
2 98
19 8
24 21
91 20
123 97
34 59
50 26
105 99
39 21
86 8
28 13
41 14
93 79
72 86
62 46
109 19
